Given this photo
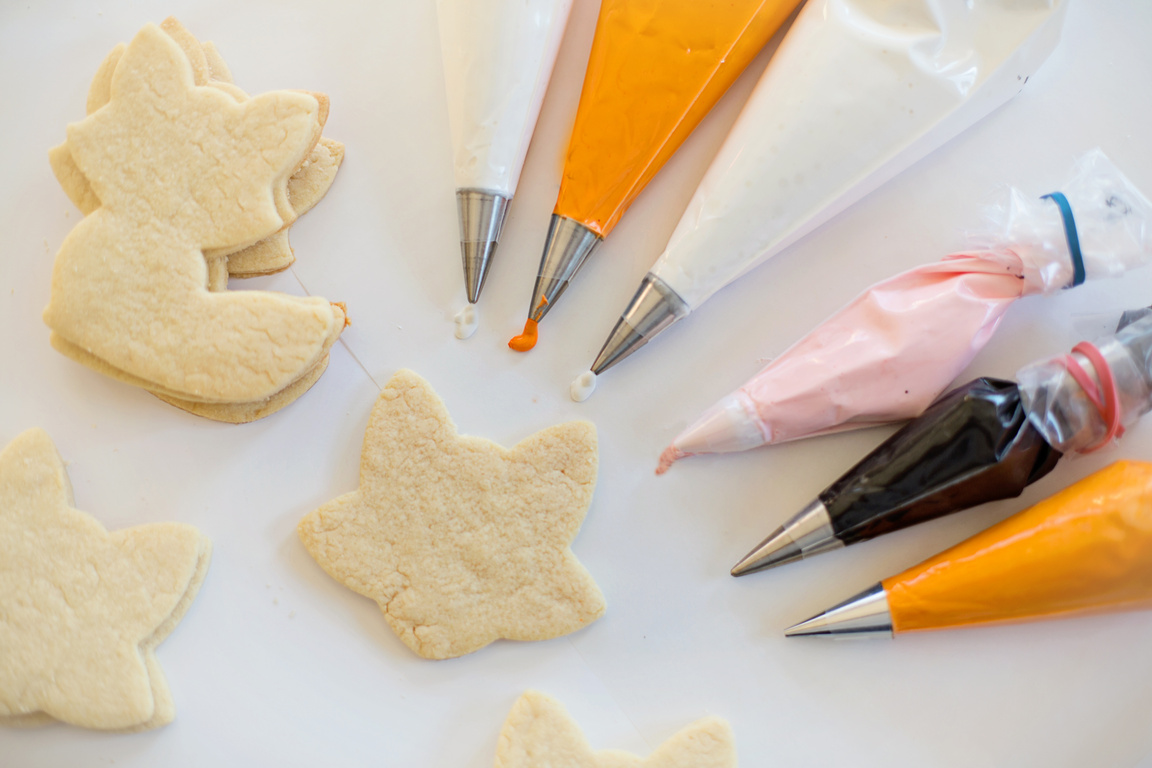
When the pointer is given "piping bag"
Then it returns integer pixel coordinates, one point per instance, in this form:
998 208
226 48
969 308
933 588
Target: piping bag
1088 549
887 355
656 69
498 58
983 441
858 91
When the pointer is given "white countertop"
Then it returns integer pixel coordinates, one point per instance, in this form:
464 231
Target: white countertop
277 664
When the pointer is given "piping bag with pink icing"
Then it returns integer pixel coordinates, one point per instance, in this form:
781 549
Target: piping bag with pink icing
887 355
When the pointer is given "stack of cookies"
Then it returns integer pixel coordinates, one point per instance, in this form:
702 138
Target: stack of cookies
186 181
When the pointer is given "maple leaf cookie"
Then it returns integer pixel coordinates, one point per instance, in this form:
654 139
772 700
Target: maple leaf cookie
81 609
459 540
181 170
539 732
303 190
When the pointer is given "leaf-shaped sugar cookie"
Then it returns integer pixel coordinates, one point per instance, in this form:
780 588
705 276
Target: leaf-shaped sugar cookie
232 413
180 170
82 609
459 540
306 187
539 732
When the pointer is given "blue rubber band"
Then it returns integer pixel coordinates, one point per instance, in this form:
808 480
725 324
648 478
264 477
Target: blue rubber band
1069 233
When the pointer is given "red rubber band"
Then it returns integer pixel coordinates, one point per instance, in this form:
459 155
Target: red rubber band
1107 402
1111 391
1086 382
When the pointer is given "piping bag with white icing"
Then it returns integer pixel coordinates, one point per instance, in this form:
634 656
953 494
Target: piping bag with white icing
498 58
858 91
887 355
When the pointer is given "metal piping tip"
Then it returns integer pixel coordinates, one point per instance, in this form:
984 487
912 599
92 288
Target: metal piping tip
568 245
808 532
477 259
866 614
777 549
817 625
481 220
623 341
654 307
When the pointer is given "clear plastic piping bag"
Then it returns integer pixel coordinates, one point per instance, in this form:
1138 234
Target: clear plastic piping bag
1113 223
1062 411
887 355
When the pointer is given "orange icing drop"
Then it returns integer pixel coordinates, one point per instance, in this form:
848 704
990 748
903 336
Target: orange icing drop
344 309
526 340
655 71
1086 549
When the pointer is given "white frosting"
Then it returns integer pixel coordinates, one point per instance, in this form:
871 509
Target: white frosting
858 91
583 386
498 57
466 321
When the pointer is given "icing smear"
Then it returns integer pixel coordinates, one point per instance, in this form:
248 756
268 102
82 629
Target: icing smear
526 340
466 321
583 386
671 455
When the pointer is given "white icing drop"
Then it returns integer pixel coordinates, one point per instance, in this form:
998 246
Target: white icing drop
466 321
583 386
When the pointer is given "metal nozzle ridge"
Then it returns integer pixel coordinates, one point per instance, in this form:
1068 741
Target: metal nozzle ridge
568 245
481 220
865 614
808 532
654 307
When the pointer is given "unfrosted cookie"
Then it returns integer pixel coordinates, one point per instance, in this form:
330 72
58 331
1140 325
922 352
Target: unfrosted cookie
459 540
539 732
217 68
306 186
232 413
81 609
181 170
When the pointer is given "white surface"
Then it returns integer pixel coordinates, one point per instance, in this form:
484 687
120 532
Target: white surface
276 664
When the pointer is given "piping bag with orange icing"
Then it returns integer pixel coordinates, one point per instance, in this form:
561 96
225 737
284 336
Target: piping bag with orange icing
1088 549
898 345
983 441
655 70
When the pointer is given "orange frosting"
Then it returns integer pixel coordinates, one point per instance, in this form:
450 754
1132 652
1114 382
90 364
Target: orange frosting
1086 549
344 309
526 340
656 68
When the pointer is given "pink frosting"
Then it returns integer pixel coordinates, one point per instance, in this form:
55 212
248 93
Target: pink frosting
886 356
671 455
